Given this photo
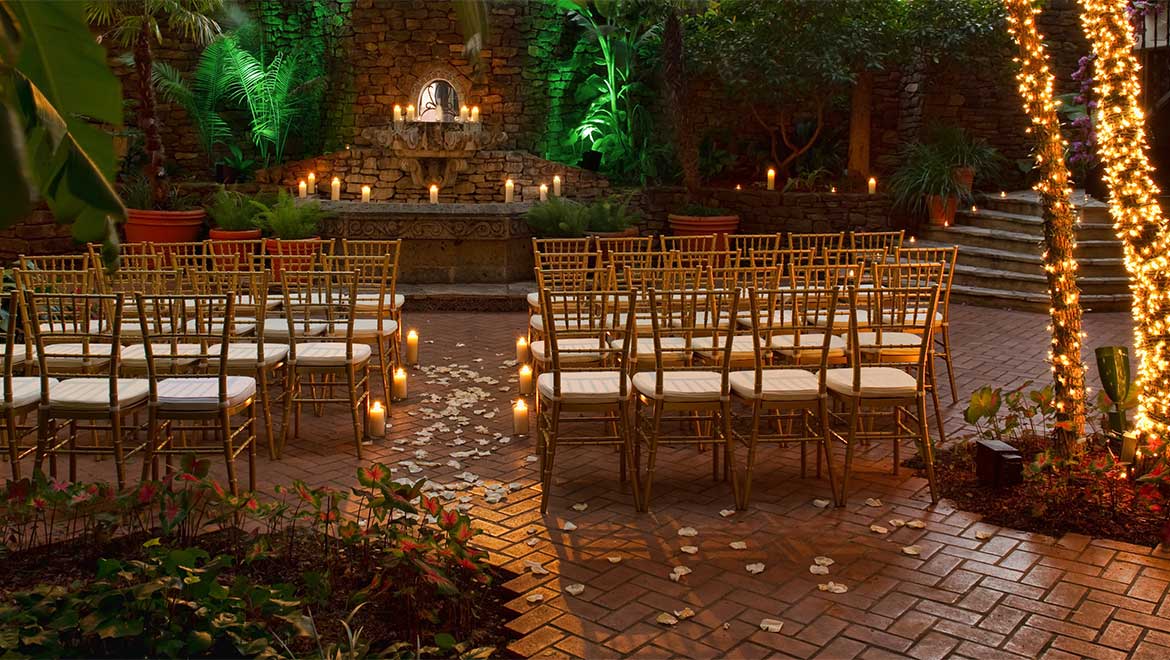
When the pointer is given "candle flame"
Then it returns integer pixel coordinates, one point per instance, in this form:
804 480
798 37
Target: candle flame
520 406
376 407
521 341
413 334
336 180
401 373
525 370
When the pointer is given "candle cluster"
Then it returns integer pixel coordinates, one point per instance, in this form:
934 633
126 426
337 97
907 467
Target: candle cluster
1060 265
1133 204
466 114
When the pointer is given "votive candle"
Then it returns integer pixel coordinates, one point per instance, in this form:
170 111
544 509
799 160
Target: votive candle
302 190
376 420
434 194
312 183
410 112
366 194
397 113
412 347
520 418
509 191
557 185
399 384
522 349
475 114
525 379
335 189
464 113
872 185
771 179
543 192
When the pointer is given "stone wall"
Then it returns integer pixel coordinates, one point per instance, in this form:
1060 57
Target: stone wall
39 233
482 181
766 212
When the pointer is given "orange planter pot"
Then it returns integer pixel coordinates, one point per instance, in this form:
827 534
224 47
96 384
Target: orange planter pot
143 226
228 242
294 254
696 225
941 210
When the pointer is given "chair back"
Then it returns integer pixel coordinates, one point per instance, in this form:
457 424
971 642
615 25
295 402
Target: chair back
11 358
898 320
248 289
75 333
376 276
947 256
890 241
320 297
745 244
241 252
588 316
55 262
619 261
624 244
679 316
566 260
818 243
710 259
562 245
184 334
791 323
298 255
696 243
744 278
784 259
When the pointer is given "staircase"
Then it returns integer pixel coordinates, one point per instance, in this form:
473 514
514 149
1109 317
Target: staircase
999 262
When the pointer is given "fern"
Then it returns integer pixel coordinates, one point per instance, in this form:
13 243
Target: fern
272 94
202 95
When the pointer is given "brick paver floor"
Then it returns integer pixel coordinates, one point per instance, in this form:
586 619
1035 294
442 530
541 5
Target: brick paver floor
974 590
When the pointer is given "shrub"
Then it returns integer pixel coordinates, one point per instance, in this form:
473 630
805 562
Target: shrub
290 219
232 211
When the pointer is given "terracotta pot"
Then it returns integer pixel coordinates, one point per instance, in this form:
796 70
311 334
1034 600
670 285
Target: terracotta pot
628 231
143 226
941 210
965 176
698 225
229 242
297 254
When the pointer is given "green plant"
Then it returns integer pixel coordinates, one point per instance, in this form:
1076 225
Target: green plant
557 218
138 193
700 211
609 215
236 161
234 212
202 95
925 172
138 25
961 150
292 220
1031 411
808 181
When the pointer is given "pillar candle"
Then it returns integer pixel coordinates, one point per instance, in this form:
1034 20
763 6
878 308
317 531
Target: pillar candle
410 112
464 113
520 418
366 194
412 347
509 191
525 379
543 192
475 114
335 189
434 194
312 183
872 185
522 350
557 185
771 179
833 189
302 190
400 384
376 420
397 113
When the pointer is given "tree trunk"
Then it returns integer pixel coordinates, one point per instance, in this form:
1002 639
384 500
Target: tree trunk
859 126
675 78
148 115
1133 203
1060 234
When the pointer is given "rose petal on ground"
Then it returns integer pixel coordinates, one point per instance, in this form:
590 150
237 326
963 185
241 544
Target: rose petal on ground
580 506
690 549
688 531
684 613
613 559
818 570
916 524
823 561
756 568
833 587
531 542
897 522
666 619
873 501
727 513
536 567
771 625
820 504
568 526
878 529
738 545
679 571
575 589
983 536
535 598
912 550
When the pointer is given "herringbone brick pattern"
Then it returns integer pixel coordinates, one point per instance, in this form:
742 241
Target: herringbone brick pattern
1010 594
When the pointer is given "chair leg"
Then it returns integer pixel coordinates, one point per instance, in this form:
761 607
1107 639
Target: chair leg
149 459
826 444
550 451
266 410
926 448
850 443
119 457
225 431
628 440
13 435
252 446
750 465
354 407
652 454
290 397
384 365
934 399
946 340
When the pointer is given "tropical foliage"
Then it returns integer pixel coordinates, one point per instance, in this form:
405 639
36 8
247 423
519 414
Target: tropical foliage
200 94
291 220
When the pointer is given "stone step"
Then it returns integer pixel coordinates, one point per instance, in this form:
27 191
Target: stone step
1029 263
965 236
991 278
1025 203
1032 301
1032 225
510 297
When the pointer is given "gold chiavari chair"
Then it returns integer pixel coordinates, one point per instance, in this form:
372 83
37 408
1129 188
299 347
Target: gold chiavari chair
835 276
242 253
641 281
697 243
373 321
22 394
889 241
565 279
323 362
782 394
746 244
680 391
191 402
168 251
713 259
77 332
370 278
620 261
587 383
818 243
55 262
864 259
298 255
783 259
187 264
623 244
124 250
562 245
130 281
560 261
887 374
53 281
947 256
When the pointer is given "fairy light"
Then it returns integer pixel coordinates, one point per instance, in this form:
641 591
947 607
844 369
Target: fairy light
1060 265
1133 204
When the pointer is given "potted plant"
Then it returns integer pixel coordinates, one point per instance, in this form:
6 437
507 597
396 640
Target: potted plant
235 216
927 182
557 218
696 220
234 167
610 218
175 218
294 225
969 156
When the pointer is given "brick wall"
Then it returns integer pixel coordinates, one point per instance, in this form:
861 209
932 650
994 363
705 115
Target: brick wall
39 233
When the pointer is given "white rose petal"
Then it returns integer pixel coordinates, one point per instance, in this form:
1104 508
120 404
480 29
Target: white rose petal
688 531
613 559
916 524
535 598
897 522
667 619
818 570
912 550
738 545
771 625
684 613
690 549
755 569
878 529
575 589
820 504
823 561
833 587
580 506
873 501
536 567
983 536
727 513
568 526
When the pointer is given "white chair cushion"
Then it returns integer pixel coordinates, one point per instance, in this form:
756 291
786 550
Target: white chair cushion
536 322
741 346
277 328
367 329
59 356
19 353
93 394
369 301
894 344
779 317
911 318
840 319
776 385
26 390
876 382
92 327
272 302
216 327
533 299
132 330
644 346
681 386
202 394
810 345
243 355
703 320
329 354
572 344
134 357
585 386
642 320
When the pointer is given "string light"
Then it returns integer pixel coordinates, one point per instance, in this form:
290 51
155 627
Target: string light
1060 265
1133 204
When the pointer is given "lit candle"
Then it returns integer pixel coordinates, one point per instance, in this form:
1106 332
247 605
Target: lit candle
525 379
412 347
872 185
312 183
302 190
335 190
365 194
520 418
738 187
557 185
912 240
771 179
400 384
376 422
509 191
543 193
397 113
1002 194
475 114
464 113
434 194
410 112
974 209
522 349
833 189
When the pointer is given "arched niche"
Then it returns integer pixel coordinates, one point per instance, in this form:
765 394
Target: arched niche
438 100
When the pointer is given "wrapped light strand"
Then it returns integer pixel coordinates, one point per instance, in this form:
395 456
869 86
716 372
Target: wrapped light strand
1060 219
1133 204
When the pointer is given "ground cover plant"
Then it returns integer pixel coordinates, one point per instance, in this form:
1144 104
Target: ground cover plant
182 568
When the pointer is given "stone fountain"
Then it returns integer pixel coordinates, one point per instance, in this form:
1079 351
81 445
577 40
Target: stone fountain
433 151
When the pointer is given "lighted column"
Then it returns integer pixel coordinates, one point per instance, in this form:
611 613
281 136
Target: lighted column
399 387
525 379
557 185
543 192
771 179
335 189
434 194
376 420
412 347
302 190
366 194
520 418
475 114
509 191
872 185
312 183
